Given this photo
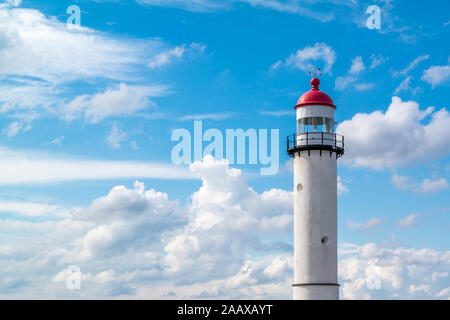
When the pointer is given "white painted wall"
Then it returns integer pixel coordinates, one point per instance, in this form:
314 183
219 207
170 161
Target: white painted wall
315 217
315 111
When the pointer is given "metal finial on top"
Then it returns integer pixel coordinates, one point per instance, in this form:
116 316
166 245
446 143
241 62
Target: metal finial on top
316 71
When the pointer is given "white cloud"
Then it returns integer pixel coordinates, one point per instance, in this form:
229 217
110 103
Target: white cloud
121 100
343 82
370 224
433 185
227 214
411 66
57 141
31 209
408 221
38 78
278 113
116 137
377 60
136 243
291 7
191 5
426 186
390 139
206 116
401 272
134 145
76 53
436 75
357 66
165 58
302 58
149 239
24 167
364 86
341 188
13 3
13 129
435 276
405 86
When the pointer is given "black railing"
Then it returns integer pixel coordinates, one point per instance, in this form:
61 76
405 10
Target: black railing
332 142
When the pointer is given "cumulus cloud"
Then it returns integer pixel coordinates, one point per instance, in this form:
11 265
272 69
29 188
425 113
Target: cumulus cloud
302 58
371 271
227 214
151 238
390 139
436 75
228 242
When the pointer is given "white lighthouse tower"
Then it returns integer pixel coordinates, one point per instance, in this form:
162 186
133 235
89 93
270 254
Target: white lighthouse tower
315 149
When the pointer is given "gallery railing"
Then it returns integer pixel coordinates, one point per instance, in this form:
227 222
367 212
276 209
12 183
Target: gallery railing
322 141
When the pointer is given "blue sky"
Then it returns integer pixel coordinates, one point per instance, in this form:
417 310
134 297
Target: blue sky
88 109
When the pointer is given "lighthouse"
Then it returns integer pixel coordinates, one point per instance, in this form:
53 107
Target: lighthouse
315 148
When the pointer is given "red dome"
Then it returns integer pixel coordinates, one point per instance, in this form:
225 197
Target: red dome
315 96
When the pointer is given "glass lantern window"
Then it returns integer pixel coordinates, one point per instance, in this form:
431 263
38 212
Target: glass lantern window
315 124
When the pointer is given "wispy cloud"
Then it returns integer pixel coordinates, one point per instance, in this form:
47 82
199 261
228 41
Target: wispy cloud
57 141
377 60
24 167
405 86
426 186
411 66
115 137
291 7
278 113
116 101
408 221
357 66
364 86
167 57
302 58
207 116
369 225
341 188
32 209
